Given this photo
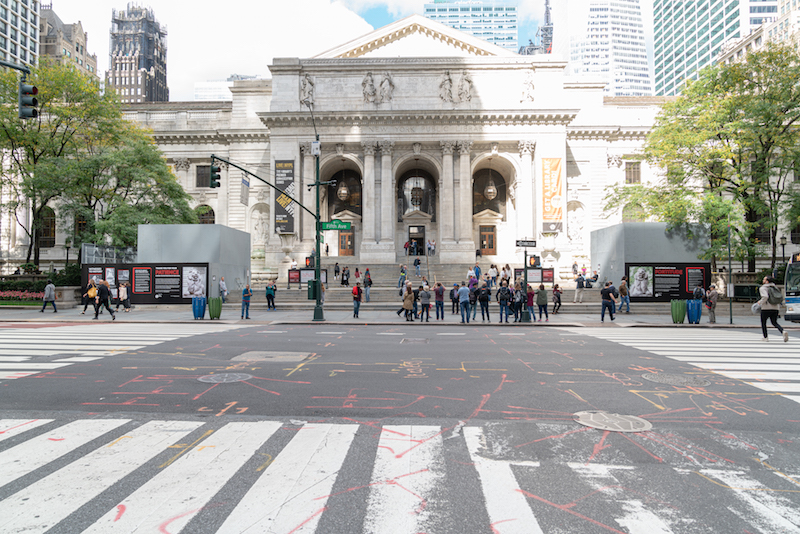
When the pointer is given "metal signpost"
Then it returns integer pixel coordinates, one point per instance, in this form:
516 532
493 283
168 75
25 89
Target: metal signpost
525 316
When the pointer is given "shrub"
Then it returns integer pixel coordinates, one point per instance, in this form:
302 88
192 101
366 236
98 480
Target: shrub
21 295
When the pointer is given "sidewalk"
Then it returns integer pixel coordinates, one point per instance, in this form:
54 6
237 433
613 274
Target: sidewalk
183 314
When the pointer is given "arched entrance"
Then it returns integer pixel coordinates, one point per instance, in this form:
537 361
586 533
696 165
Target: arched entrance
492 204
416 210
345 203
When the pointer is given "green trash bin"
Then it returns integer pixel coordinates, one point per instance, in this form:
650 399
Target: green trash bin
214 307
678 307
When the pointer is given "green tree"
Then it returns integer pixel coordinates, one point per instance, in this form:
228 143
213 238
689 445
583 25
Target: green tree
729 144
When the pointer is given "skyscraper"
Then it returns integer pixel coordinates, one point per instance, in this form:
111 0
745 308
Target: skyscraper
544 36
614 48
492 20
65 43
137 56
690 34
19 21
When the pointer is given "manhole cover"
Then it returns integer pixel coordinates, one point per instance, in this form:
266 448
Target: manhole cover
414 340
675 380
271 356
612 421
225 378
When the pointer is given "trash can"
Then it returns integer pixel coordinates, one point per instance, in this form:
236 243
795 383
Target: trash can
678 308
694 310
214 308
199 307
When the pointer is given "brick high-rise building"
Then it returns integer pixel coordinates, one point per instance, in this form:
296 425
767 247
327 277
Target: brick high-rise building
137 56
65 43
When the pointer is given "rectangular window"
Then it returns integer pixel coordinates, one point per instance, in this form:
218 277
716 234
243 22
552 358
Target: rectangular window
633 172
203 176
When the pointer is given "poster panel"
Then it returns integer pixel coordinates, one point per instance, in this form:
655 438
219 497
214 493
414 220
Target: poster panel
142 281
194 282
123 275
154 283
167 282
95 273
548 276
284 207
552 195
111 276
294 276
656 282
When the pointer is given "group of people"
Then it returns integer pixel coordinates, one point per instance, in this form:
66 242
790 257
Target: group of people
99 295
412 248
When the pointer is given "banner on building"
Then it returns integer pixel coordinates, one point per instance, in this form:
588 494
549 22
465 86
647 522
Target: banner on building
284 207
552 195
664 282
244 193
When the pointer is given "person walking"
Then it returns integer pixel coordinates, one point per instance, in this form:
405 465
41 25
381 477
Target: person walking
608 301
367 283
89 295
346 276
484 296
438 293
518 300
357 293
477 271
358 276
49 296
580 284
425 303
454 300
541 302
417 265
408 303
123 298
415 307
771 299
463 301
556 298
223 289
103 294
624 295
270 291
336 271
246 294
433 247
473 299
711 303
575 268
503 296
401 282
322 295
327 250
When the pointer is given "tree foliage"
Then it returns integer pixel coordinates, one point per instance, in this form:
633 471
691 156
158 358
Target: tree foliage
728 146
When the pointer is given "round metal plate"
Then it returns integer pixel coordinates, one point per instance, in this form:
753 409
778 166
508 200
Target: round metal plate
225 378
675 380
612 421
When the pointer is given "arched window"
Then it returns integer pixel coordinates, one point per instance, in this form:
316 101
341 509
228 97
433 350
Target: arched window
47 228
632 213
205 215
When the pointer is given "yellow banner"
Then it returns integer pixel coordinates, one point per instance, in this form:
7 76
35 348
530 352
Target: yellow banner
552 195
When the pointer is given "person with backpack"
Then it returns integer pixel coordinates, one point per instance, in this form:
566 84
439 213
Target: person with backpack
699 293
519 299
541 302
356 299
503 297
556 298
454 300
439 296
771 300
580 284
484 296
425 303
417 265
408 303
609 300
416 302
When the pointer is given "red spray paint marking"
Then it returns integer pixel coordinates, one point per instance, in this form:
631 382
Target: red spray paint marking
217 346
203 393
120 510
262 389
555 436
565 508
56 439
162 528
17 426
315 514
599 446
645 450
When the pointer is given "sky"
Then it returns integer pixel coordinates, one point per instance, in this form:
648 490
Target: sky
207 40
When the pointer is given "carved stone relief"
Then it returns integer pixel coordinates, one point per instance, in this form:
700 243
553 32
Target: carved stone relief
306 90
614 160
181 164
446 87
387 88
465 87
259 223
368 89
527 87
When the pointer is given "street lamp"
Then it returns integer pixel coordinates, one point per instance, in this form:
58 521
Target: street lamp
319 315
783 248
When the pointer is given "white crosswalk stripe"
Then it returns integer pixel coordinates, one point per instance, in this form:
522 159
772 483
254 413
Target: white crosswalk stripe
741 355
159 476
84 343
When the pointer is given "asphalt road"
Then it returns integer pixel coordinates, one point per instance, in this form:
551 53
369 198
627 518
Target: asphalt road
404 428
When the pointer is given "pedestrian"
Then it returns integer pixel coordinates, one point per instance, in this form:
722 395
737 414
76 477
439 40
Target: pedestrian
771 299
415 307
406 246
425 303
49 296
473 299
270 291
417 265
492 276
530 295
454 300
103 295
608 301
470 273
336 271
357 293
624 295
711 303
477 271
322 296
414 248
503 296
472 282
367 283
246 294
123 297
293 265
541 302
408 303
484 296
575 268
358 276
223 289
438 293
346 276
327 249
556 298
699 293
463 301
583 270
580 284
401 282
519 300
89 295
433 247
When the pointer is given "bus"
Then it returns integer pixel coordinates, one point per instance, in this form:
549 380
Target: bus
792 284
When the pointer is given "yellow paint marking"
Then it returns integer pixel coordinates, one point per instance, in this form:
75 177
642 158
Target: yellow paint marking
744 489
117 440
187 448
784 475
577 396
265 464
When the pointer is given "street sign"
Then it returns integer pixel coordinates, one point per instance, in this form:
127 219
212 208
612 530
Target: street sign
336 224
526 243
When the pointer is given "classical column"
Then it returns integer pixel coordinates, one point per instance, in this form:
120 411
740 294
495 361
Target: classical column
307 197
446 215
182 170
387 192
525 212
368 193
465 190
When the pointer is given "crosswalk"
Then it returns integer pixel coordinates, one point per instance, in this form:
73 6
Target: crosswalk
123 475
67 345
741 355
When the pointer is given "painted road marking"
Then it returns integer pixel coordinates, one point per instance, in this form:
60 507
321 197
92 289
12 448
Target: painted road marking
294 489
43 504
391 333
10 428
272 331
450 334
331 333
179 492
514 334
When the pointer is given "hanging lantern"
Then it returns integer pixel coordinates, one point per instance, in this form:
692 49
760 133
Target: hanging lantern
342 191
490 191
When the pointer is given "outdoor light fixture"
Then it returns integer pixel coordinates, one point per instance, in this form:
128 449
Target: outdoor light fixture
342 191
490 191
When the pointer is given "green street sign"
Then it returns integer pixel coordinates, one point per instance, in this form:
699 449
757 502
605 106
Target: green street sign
336 224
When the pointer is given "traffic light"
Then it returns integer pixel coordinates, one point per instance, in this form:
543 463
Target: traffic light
214 178
28 101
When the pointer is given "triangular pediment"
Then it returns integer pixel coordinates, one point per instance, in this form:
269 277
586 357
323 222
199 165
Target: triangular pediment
416 36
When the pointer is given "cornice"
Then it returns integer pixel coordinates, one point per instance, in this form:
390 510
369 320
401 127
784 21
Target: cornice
414 64
211 136
607 133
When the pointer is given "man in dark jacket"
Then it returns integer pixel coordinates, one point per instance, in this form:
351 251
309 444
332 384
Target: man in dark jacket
102 298
454 299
